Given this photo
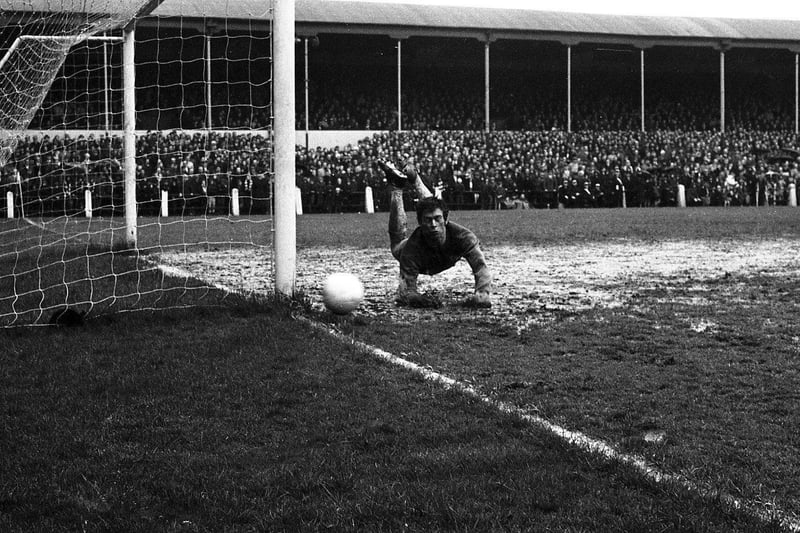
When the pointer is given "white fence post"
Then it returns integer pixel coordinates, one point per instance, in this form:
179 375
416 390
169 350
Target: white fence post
298 201
164 203
793 194
235 202
369 201
681 195
10 204
87 203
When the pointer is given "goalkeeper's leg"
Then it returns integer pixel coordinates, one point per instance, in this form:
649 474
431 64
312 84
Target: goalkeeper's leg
398 240
398 222
417 183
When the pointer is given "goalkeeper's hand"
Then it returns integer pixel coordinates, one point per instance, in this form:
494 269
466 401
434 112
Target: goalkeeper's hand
479 300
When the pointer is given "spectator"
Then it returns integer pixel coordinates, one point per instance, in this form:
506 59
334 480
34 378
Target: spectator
474 168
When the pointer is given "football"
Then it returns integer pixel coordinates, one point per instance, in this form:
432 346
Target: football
342 293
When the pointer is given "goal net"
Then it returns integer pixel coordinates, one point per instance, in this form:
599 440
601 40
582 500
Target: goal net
195 108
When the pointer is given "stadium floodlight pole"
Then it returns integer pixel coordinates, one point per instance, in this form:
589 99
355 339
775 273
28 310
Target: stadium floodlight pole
283 86
129 134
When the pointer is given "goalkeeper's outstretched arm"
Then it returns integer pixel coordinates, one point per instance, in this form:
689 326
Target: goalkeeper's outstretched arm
483 279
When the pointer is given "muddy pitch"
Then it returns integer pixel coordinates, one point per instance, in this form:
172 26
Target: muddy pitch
531 283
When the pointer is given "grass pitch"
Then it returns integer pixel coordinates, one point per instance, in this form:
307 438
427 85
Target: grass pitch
238 417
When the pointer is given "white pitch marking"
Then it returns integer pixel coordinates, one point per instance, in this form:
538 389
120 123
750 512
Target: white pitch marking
575 438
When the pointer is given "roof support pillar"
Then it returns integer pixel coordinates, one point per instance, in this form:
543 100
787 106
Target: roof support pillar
486 85
569 43
722 91
399 85
642 46
641 84
209 31
796 92
399 38
723 46
487 41
305 87
796 51
106 87
314 43
569 88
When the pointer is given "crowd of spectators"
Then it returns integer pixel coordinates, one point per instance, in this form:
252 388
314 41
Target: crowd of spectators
496 170
535 154
528 159
348 99
344 99
470 169
198 171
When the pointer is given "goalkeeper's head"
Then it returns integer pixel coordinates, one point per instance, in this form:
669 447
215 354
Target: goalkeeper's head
430 204
432 218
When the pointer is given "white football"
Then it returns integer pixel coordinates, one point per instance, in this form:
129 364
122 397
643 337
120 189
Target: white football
342 292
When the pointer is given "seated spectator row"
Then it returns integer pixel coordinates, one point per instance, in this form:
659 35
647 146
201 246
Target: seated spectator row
339 104
481 170
471 169
353 80
427 104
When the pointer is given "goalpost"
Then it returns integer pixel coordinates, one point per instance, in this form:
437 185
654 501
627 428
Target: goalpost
284 95
136 138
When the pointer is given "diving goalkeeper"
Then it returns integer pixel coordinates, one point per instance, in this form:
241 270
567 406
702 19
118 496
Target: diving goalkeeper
436 245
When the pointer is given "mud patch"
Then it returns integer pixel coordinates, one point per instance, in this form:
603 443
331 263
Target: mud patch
531 283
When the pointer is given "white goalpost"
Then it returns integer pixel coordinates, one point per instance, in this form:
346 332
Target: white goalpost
140 134
284 97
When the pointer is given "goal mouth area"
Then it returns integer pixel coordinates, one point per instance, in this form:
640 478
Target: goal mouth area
88 214
46 264
95 283
24 235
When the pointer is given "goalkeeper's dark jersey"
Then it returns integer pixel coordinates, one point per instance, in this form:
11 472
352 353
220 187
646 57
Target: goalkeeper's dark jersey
418 257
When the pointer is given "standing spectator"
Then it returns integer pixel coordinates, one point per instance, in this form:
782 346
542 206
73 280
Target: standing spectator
562 192
245 191
599 197
584 197
208 201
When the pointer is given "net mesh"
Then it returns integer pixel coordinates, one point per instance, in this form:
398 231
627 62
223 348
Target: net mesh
36 39
203 161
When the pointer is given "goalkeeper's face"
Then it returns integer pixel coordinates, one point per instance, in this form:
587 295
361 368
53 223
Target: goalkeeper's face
433 226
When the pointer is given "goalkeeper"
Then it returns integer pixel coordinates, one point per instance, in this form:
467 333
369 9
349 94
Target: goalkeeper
436 245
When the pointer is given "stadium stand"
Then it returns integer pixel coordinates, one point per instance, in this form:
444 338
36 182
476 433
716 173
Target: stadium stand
527 154
473 169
